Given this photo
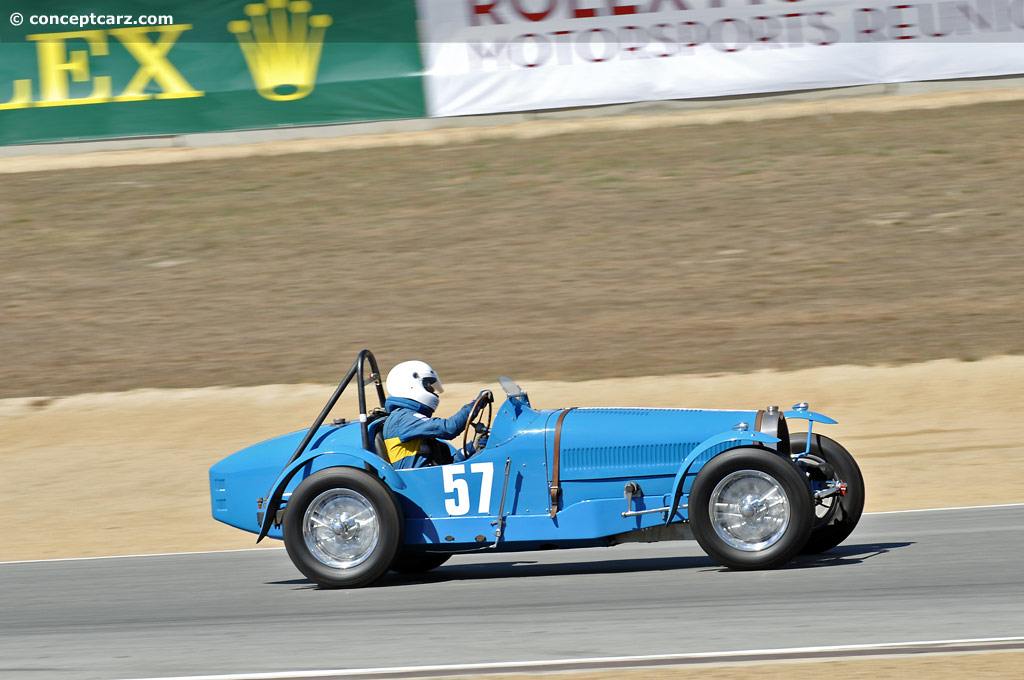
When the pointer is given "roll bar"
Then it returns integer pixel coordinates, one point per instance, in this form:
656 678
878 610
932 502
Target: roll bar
365 356
276 493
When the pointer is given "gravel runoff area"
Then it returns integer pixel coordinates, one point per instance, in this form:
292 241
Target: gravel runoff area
926 435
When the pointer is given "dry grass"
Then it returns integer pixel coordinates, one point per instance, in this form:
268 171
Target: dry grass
867 238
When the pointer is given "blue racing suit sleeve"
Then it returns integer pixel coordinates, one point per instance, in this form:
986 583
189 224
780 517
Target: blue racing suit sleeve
417 425
410 420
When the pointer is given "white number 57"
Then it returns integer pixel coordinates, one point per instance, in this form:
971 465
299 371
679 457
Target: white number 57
460 487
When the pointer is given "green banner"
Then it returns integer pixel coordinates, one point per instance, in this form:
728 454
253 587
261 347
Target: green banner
73 70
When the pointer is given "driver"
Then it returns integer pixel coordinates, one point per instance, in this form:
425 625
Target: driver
410 432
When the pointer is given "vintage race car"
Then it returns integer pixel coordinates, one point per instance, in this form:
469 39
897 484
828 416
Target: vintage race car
752 494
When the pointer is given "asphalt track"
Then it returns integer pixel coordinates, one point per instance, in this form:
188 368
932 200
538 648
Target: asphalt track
902 577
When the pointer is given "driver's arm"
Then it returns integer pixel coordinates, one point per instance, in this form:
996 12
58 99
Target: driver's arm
437 428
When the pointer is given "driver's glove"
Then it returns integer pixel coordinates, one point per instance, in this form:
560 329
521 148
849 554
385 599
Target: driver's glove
471 446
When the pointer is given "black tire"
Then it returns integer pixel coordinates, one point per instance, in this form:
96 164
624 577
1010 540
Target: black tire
363 538
835 517
418 563
739 481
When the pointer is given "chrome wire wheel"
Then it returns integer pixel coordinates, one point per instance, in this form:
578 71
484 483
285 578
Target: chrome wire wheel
749 510
341 528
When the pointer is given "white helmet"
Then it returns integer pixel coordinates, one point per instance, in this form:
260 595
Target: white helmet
415 380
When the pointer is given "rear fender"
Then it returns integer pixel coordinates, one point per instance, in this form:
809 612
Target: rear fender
739 436
343 457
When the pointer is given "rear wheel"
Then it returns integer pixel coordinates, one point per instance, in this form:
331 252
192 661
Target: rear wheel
835 517
750 509
342 528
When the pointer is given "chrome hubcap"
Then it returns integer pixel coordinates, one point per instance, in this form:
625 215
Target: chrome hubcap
753 508
749 510
341 528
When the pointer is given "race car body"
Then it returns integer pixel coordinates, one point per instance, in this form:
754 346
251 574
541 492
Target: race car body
735 480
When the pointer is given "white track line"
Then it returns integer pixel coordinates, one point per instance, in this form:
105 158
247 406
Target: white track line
118 557
963 507
236 550
606 662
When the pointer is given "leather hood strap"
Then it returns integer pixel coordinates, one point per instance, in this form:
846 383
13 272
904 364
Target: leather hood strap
555 489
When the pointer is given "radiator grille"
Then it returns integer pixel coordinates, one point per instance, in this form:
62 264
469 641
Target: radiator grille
657 458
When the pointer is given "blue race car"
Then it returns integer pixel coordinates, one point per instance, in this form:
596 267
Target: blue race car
752 494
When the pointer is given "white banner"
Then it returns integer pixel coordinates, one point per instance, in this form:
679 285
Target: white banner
487 56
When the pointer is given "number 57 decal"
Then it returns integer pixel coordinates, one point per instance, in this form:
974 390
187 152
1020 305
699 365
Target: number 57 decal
455 482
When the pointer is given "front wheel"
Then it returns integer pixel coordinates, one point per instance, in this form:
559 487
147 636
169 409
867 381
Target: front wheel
828 463
750 509
342 528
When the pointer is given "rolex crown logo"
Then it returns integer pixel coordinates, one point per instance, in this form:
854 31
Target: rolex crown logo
281 44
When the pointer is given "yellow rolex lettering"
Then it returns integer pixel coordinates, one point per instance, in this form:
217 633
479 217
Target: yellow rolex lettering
56 64
153 63
22 96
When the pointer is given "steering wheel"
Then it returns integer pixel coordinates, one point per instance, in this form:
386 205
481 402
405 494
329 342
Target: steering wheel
476 419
